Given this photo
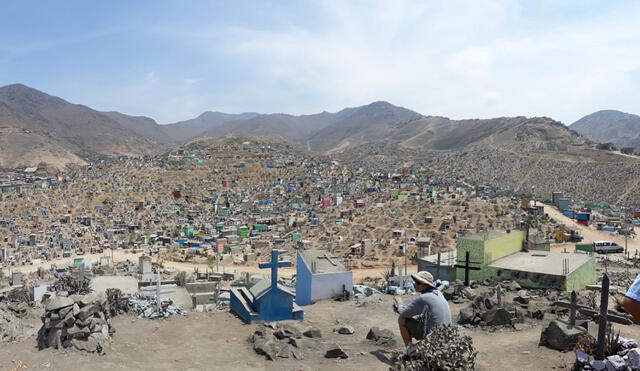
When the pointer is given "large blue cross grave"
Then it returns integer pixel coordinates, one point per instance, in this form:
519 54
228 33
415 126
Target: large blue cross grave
266 301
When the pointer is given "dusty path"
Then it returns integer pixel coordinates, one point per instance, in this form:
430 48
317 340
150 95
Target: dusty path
591 234
634 186
529 172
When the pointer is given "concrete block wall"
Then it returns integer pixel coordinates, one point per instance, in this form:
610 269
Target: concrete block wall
583 276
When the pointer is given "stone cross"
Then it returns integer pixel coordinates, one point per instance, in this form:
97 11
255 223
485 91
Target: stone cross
274 265
467 267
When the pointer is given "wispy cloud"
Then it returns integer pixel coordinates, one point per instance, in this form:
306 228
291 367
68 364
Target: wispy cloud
457 58
11 49
460 59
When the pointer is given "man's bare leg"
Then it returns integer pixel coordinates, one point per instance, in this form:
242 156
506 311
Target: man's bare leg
404 331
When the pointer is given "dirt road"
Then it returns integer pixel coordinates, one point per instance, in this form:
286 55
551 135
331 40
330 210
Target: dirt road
591 234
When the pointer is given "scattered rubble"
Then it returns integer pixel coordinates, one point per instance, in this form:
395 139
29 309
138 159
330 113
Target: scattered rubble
147 307
626 357
486 311
282 340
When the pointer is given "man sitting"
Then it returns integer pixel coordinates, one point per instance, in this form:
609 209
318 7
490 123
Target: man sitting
428 310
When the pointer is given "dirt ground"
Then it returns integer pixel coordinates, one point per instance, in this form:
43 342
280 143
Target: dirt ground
218 341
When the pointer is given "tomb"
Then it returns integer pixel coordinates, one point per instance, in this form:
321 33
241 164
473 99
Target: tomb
441 265
267 300
319 275
499 256
144 265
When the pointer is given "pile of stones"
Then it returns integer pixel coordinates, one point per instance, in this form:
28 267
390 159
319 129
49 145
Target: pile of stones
443 349
147 307
76 321
486 311
627 358
285 340
457 292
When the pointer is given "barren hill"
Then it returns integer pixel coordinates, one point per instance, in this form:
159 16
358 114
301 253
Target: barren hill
182 131
525 156
38 127
364 124
619 128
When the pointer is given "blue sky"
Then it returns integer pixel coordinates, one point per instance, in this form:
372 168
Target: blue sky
172 60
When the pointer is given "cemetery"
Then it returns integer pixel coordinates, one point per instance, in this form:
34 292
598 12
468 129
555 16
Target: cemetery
255 239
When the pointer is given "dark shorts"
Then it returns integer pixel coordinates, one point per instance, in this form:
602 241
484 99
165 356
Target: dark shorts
415 328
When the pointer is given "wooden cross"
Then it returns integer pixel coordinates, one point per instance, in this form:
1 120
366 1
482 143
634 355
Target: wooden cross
587 311
467 267
438 267
602 316
573 307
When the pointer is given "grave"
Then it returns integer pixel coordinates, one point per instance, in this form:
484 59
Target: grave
267 300
144 265
500 256
201 292
440 265
16 278
319 275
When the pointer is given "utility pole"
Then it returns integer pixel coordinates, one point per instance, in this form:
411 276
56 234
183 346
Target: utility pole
626 236
406 247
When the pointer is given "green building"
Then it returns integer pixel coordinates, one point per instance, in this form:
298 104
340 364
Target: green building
500 256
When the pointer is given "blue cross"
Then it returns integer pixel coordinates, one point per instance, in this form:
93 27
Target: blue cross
274 264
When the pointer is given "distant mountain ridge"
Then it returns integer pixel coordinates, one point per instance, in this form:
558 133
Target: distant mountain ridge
620 128
37 127
182 131
55 131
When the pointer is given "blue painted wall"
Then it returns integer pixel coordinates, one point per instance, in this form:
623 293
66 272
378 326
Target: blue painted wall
238 307
275 305
303 282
